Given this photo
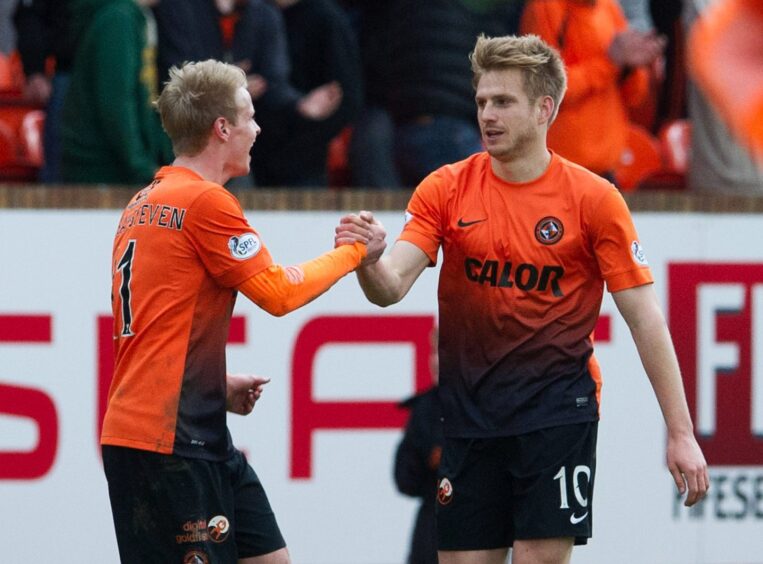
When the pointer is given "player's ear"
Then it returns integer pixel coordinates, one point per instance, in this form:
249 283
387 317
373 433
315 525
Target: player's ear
221 128
545 109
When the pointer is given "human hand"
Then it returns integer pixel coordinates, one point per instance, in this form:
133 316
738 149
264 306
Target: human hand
634 48
688 467
321 102
352 229
243 391
377 243
37 89
362 228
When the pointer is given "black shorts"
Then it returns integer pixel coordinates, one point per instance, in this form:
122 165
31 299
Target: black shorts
533 486
168 508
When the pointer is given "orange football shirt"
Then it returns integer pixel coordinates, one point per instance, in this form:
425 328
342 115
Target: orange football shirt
181 247
521 284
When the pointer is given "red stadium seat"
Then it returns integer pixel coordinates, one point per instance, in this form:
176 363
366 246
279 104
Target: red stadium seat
338 161
31 137
7 146
675 143
11 75
21 154
674 140
640 158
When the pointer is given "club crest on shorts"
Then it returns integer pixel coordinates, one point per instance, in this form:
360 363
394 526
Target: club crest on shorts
218 528
549 230
445 492
638 253
244 246
195 557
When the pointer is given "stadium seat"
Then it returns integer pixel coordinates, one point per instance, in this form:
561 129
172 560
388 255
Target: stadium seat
640 158
675 144
11 75
7 146
338 161
31 137
21 154
674 140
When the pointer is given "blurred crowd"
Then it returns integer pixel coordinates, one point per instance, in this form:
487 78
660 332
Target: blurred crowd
362 93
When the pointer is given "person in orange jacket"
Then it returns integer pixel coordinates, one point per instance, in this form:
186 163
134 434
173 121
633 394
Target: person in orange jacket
607 73
726 59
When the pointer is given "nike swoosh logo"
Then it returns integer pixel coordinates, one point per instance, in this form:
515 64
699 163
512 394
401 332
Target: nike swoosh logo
574 519
462 223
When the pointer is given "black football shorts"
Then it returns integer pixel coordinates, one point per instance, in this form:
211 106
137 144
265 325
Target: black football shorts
539 485
169 508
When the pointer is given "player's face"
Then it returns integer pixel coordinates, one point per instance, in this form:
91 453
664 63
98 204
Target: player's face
243 134
507 117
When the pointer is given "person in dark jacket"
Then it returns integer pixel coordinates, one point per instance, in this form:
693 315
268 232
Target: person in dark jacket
423 72
250 34
43 32
417 460
293 149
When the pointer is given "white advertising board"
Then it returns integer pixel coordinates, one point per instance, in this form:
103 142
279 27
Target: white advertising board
322 438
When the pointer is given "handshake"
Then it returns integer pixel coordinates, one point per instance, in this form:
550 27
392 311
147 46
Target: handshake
362 228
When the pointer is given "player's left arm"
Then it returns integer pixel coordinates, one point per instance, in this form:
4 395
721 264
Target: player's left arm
640 308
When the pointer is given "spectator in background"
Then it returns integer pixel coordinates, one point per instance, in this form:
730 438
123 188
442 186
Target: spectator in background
371 151
251 35
666 15
726 55
109 131
417 460
606 67
426 83
718 164
44 33
293 148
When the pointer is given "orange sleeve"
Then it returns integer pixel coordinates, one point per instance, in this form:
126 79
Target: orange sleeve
590 73
280 290
424 221
621 258
725 54
228 246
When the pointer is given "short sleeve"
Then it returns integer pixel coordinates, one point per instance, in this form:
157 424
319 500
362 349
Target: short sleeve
424 224
230 249
616 245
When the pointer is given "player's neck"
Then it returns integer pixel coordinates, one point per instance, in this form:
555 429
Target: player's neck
208 168
522 168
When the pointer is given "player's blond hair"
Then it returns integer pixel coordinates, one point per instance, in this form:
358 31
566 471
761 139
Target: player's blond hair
541 64
193 98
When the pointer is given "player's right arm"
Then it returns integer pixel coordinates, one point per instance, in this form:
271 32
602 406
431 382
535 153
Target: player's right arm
387 281
280 290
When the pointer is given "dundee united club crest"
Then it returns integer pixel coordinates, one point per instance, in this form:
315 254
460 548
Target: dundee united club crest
445 492
549 230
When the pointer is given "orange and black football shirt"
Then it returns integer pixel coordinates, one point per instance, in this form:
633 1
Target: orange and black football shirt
182 246
521 284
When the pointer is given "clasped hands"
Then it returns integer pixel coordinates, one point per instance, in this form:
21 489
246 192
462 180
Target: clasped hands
362 228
